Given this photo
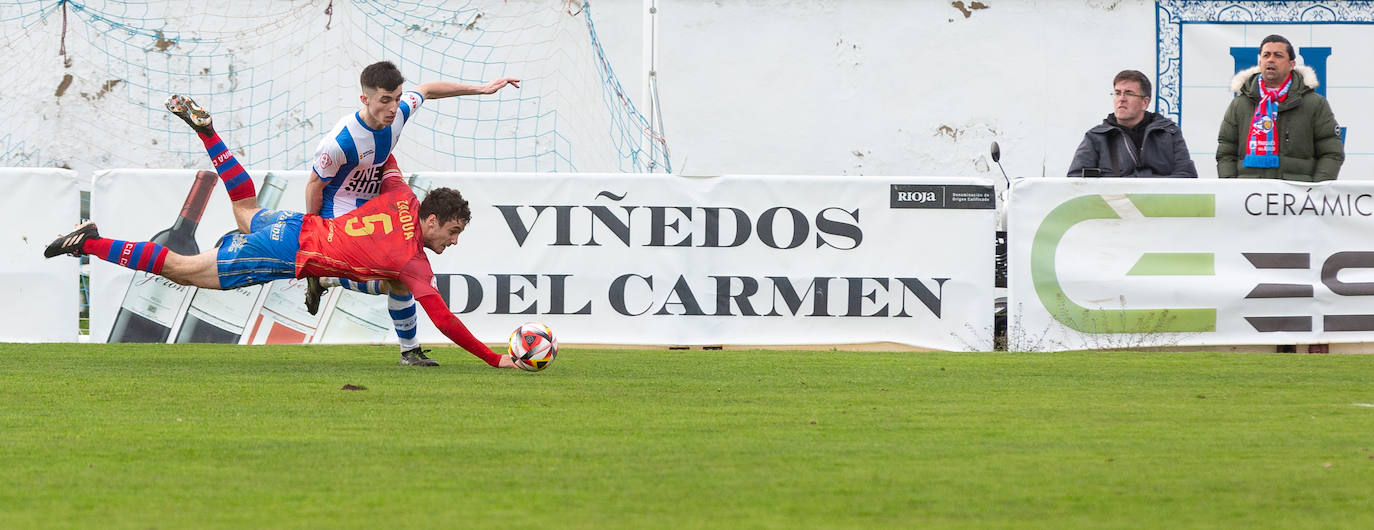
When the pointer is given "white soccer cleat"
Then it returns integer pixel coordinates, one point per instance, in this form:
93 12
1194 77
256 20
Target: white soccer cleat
191 113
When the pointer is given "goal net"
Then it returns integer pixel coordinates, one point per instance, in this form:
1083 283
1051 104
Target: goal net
86 82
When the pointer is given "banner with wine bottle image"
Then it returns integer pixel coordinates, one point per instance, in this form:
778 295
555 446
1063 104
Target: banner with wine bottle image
152 309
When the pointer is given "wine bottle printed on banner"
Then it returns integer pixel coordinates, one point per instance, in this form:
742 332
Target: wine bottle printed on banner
221 316
359 317
152 303
283 318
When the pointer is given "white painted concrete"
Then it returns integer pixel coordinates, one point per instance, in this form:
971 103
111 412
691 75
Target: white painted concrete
888 87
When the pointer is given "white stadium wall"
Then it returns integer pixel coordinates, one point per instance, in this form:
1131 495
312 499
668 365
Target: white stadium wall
832 88
827 87
881 87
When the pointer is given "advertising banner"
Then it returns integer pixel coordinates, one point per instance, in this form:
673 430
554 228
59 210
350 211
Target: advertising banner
43 295
188 212
745 260
610 259
1120 263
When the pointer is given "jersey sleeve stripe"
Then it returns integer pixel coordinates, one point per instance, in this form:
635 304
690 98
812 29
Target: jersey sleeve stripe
381 140
331 187
350 153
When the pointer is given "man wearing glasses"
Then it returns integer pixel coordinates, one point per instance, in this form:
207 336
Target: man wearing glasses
1132 142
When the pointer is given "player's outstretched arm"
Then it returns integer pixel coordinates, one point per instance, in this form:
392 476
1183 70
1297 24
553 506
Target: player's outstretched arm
454 329
446 89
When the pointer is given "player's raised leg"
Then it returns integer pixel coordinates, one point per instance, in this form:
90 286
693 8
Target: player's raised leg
236 180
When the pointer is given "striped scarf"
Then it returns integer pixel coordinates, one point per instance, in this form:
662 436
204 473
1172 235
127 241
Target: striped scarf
1263 148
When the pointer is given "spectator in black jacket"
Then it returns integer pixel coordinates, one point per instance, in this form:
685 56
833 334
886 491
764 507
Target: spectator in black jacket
1132 142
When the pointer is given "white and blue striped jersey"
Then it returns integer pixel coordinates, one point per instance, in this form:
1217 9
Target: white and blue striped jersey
349 157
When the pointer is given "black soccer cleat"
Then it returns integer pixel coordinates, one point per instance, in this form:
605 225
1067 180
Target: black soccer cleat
191 113
313 292
416 357
72 242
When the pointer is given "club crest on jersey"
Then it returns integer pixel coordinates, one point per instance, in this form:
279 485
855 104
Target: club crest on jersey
324 160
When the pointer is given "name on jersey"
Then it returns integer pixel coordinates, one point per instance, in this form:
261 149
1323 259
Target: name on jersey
407 220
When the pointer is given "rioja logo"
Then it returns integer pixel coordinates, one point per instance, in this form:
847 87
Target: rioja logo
942 196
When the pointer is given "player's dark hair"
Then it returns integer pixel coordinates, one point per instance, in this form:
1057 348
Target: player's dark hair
1134 75
446 203
381 75
1279 38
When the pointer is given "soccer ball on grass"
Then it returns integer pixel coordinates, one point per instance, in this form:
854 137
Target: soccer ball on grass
533 347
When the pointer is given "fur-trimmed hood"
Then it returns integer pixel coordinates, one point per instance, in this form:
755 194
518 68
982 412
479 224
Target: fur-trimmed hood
1308 75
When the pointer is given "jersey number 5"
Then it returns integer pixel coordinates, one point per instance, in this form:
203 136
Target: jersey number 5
366 225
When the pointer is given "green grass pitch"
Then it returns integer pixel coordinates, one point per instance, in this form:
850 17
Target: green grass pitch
182 436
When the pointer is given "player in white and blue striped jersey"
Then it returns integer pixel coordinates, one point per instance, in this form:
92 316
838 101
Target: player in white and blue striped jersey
346 171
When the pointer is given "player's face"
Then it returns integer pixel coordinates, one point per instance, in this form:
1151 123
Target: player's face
1275 64
381 105
441 236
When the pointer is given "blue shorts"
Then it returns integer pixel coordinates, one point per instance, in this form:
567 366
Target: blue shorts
266 253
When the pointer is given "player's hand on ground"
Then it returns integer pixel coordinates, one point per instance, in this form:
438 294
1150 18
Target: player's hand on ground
506 362
492 87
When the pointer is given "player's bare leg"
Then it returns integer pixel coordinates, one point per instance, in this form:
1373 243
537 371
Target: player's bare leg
199 270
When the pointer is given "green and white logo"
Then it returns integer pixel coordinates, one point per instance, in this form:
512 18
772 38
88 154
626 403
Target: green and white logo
1070 213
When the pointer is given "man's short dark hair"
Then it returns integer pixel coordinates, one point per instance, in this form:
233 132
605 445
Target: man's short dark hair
1279 38
446 203
381 75
1134 75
